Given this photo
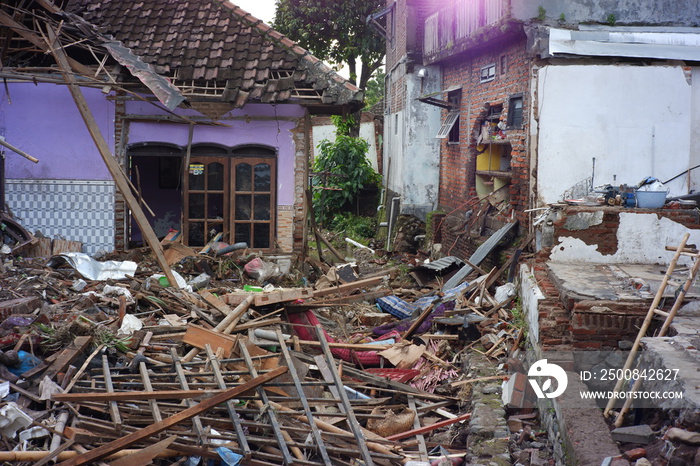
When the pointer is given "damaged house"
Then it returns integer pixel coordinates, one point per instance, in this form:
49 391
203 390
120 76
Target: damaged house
528 112
205 109
534 104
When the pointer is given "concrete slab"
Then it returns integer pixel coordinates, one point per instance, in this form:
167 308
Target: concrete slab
618 282
586 433
679 358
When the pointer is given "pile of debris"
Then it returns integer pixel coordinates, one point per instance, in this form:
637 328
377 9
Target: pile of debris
242 360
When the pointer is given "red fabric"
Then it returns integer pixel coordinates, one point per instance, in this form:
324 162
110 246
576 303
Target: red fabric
304 324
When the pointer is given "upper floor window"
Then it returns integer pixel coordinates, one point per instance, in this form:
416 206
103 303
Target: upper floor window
450 126
515 112
488 73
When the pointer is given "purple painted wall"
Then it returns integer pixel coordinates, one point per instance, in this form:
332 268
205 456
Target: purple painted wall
44 121
274 133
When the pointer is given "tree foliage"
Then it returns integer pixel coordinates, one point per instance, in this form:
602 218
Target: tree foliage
374 91
336 32
341 165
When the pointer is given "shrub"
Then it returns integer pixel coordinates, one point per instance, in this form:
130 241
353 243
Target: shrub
342 166
353 226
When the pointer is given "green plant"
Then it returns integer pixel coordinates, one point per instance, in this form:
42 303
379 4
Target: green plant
541 13
343 167
519 320
343 124
611 19
562 18
356 227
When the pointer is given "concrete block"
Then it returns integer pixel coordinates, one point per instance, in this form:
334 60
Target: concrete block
641 435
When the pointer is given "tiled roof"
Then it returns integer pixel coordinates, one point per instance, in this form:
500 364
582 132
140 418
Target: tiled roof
214 48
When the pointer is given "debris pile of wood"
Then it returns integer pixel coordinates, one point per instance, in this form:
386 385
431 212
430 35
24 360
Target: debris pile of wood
231 367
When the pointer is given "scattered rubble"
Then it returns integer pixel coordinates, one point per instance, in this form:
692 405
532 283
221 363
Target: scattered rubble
245 360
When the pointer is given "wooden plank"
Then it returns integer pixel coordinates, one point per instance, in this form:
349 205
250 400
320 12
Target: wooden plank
113 407
215 302
280 296
422 447
351 419
144 433
145 457
67 356
60 246
83 368
347 287
430 428
197 425
225 326
274 422
199 337
329 246
302 397
416 323
353 298
40 247
110 161
134 395
230 405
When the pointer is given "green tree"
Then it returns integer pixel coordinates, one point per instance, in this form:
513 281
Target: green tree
336 32
343 170
374 91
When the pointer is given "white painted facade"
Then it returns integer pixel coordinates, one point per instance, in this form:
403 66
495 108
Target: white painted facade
412 153
636 121
367 130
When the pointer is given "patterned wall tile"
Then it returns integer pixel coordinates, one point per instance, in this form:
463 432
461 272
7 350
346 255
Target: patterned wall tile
75 210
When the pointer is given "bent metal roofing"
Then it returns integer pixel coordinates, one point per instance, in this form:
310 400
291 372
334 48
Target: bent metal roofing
214 49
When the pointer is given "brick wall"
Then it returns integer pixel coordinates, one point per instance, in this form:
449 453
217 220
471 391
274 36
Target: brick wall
285 227
301 156
458 161
120 218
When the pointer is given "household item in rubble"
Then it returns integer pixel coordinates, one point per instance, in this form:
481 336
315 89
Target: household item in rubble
651 199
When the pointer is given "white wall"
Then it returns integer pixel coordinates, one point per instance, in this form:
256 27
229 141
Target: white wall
412 153
635 121
322 132
641 239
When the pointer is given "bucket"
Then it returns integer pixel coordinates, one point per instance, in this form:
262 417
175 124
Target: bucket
651 199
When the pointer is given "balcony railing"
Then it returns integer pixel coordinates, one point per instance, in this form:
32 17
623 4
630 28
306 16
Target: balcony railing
458 21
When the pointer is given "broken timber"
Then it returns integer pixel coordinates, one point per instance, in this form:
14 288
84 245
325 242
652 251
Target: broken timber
112 165
123 442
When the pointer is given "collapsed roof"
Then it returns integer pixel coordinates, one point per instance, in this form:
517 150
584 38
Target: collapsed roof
210 50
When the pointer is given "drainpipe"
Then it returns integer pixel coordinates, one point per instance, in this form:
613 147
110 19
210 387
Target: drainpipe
395 201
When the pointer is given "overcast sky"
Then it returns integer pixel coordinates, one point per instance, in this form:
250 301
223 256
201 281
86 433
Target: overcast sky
265 10
261 9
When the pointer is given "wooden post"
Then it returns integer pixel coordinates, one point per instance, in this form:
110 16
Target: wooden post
117 173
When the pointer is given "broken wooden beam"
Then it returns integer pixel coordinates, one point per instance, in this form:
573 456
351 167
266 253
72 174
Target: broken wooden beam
123 442
113 166
430 428
349 286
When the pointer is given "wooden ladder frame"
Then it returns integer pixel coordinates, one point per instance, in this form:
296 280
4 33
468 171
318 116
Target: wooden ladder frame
654 311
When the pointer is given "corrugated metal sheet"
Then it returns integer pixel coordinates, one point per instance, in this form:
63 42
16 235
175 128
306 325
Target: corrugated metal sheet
442 263
479 255
431 44
493 11
467 12
640 44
